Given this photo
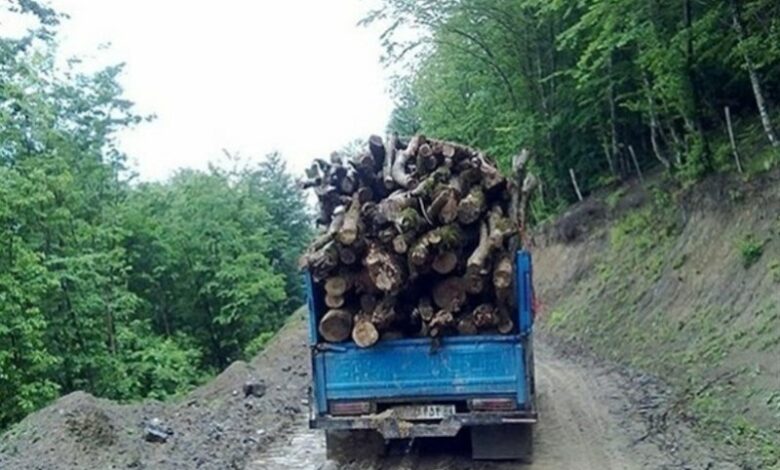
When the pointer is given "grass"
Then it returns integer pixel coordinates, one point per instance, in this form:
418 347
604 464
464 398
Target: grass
774 270
613 311
751 249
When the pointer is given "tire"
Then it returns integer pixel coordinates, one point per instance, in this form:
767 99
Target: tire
502 442
354 445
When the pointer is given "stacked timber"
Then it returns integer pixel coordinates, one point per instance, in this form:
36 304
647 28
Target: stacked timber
418 240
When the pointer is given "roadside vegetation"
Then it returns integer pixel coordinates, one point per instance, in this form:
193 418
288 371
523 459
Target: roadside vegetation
119 288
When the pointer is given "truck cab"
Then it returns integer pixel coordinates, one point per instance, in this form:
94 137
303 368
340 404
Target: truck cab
417 387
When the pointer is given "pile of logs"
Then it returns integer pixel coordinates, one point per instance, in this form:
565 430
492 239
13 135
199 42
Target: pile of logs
418 240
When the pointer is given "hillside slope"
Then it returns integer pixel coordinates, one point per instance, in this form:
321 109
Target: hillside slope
684 284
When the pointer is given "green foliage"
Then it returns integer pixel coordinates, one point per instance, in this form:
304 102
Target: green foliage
125 290
578 82
258 344
750 249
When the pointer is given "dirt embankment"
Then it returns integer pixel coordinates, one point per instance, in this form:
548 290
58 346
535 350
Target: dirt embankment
685 285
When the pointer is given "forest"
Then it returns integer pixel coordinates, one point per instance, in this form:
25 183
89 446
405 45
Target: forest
118 287
131 289
597 88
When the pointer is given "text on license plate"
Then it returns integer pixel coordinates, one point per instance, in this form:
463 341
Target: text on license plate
422 412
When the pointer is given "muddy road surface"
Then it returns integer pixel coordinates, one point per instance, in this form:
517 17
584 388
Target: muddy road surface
593 416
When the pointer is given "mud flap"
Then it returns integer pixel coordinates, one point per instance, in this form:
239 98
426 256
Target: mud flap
354 445
502 442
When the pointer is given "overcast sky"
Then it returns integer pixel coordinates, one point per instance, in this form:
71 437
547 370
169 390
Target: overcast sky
252 76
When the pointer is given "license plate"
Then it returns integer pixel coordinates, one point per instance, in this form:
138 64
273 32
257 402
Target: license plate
424 412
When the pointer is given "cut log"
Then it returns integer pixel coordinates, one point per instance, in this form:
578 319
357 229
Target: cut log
485 316
368 302
337 220
387 167
472 206
476 264
426 160
442 321
505 323
365 194
377 149
390 208
449 294
323 261
491 177
386 272
427 186
422 250
420 240
499 227
445 262
466 326
424 309
399 172
402 242
339 284
348 255
364 333
334 301
336 325
348 232
502 272
384 313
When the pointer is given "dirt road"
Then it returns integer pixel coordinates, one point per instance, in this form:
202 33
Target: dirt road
592 417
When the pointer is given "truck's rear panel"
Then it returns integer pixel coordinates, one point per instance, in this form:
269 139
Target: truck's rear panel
416 387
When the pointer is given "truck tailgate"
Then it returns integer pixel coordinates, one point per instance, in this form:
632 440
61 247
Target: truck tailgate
460 368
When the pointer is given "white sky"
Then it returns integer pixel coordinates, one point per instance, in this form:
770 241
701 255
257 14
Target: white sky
251 76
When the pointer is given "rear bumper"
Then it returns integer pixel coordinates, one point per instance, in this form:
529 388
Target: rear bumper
394 428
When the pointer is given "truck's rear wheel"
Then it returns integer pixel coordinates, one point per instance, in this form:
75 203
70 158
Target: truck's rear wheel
354 445
502 442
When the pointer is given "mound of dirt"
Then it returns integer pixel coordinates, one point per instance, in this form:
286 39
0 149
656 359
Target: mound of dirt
214 427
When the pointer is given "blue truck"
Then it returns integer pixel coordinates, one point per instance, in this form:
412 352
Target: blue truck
413 388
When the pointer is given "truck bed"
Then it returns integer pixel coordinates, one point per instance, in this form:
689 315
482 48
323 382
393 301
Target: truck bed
418 387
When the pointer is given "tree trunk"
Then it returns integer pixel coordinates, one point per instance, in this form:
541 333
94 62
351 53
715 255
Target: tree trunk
574 183
755 81
732 140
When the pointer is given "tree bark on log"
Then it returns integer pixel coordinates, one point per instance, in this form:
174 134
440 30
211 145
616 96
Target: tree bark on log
390 151
472 206
398 170
349 227
386 272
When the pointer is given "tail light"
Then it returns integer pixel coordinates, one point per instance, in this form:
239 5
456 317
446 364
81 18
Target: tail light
492 404
350 408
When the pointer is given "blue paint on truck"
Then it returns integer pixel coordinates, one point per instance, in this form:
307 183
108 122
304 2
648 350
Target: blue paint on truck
455 371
